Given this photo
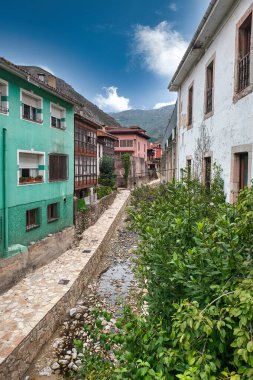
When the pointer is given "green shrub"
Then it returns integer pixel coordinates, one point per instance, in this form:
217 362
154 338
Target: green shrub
102 191
81 206
107 176
195 261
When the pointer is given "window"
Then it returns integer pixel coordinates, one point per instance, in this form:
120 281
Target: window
243 170
31 107
241 167
85 140
58 117
116 144
85 171
189 167
126 143
32 219
31 167
190 102
207 172
58 167
244 47
209 87
4 97
52 212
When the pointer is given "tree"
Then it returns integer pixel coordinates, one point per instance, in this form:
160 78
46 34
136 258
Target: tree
126 158
107 175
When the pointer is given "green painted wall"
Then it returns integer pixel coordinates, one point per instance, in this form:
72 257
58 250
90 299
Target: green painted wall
31 136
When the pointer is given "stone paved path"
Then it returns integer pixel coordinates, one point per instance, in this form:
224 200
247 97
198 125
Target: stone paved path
29 311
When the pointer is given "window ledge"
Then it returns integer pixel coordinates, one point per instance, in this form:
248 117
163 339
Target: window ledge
239 95
52 220
58 180
32 227
32 121
209 114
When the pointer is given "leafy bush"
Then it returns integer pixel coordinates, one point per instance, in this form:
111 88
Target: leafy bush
81 206
126 158
102 191
107 175
195 262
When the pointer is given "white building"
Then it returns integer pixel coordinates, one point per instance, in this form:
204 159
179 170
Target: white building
214 82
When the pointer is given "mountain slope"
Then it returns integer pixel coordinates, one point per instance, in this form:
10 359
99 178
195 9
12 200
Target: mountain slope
153 121
89 109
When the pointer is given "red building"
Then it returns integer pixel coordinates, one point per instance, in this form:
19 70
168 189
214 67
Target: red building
133 140
154 155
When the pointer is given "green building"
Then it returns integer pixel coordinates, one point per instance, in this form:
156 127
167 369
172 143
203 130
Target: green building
37 152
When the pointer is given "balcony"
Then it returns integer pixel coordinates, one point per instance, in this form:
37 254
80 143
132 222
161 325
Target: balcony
4 110
82 182
244 72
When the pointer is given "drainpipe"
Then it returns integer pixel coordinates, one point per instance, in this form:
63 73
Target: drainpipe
5 192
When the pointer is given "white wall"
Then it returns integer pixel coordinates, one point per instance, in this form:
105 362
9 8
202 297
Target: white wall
231 123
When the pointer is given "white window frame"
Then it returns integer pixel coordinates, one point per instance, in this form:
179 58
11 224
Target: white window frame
32 95
61 109
43 172
5 83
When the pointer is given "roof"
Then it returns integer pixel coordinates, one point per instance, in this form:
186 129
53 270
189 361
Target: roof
128 130
214 17
17 70
87 121
88 109
101 133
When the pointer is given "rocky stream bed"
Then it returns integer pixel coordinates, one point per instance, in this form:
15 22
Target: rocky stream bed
113 283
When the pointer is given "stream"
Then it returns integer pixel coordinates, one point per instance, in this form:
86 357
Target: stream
112 283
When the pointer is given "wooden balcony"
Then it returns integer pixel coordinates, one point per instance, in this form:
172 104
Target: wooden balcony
83 183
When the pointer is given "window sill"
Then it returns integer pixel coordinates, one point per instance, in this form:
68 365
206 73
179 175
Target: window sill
32 121
58 180
32 227
60 129
52 220
239 95
209 114
30 183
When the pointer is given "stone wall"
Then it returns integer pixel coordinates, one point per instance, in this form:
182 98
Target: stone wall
17 362
12 269
85 219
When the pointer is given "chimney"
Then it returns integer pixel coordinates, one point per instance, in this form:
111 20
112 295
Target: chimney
51 81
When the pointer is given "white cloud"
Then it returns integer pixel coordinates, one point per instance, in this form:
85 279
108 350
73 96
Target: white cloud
160 105
160 47
173 7
112 102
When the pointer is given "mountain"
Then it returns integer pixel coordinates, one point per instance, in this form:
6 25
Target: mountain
90 110
153 121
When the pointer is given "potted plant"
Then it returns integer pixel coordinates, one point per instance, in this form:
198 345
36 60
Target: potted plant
39 178
30 179
23 179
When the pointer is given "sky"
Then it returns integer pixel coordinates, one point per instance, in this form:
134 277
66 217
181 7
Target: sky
119 54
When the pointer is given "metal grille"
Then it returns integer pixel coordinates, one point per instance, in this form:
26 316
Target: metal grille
244 72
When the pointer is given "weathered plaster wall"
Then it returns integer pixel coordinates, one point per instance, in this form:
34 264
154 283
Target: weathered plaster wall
231 123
